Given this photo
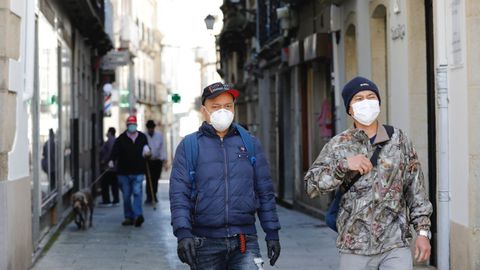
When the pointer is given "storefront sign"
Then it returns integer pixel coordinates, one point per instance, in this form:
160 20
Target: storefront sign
115 59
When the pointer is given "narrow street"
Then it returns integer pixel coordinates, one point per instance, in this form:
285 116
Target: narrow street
306 243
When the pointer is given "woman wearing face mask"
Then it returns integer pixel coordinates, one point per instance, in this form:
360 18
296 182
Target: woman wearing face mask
379 203
215 226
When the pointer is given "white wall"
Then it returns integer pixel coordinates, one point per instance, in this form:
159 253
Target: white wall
398 67
458 120
21 81
363 39
15 211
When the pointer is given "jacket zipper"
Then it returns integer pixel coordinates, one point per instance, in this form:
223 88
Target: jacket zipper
226 186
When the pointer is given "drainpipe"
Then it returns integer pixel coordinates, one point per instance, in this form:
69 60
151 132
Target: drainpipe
432 123
443 219
336 83
335 15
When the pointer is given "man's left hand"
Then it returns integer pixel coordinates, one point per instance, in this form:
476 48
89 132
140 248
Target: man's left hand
422 248
273 248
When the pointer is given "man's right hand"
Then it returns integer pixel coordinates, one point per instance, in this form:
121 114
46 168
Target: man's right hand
111 164
359 163
186 251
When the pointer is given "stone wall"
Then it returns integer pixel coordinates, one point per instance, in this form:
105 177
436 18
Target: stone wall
472 12
15 198
9 50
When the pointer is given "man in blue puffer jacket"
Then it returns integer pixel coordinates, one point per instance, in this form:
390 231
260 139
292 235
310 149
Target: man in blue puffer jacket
216 228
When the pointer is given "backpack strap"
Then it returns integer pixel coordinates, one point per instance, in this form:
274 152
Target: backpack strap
191 152
389 130
374 158
248 142
191 155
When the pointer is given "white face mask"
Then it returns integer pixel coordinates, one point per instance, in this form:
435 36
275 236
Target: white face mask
221 119
366 111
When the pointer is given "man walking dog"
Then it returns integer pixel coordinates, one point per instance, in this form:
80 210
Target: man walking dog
379 205
220 179
129 153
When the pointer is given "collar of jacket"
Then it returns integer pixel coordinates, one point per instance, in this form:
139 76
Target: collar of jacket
208 130
381 136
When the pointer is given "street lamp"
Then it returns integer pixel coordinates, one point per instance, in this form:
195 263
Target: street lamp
209 21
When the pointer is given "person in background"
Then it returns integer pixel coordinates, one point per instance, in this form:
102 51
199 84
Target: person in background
129 154
109 181
48 161
155 163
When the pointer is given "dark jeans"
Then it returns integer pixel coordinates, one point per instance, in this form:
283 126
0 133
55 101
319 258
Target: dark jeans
109 183
155 167
224 253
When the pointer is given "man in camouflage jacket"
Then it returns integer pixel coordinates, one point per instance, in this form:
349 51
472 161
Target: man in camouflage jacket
376 212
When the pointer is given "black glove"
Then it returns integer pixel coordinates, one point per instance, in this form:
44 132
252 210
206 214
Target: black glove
186 251
273 247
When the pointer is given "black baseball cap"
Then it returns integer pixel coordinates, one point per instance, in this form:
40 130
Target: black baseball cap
150 124
111 130
215 89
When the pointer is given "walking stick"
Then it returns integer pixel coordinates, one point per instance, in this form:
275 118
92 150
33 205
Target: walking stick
149 180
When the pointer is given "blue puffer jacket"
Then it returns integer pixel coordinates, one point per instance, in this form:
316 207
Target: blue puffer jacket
229 189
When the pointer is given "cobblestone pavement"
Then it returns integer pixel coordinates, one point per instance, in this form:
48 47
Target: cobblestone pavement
307 244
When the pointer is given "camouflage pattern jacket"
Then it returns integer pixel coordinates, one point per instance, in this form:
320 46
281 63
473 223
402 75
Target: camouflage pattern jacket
376 213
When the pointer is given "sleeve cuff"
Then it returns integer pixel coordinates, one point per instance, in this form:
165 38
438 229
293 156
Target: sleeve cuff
272 235
342 166
422 227
183 233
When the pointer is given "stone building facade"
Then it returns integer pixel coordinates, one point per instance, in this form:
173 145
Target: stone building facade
293 68
51 111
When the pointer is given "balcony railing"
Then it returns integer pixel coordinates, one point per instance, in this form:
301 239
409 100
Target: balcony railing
268 26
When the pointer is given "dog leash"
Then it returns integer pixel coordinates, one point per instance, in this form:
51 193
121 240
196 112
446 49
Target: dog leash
100 177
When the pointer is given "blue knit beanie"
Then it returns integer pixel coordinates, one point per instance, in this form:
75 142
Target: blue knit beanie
356 85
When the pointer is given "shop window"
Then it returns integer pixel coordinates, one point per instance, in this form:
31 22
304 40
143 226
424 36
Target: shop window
66 110
144 90
317 111
154 93
48 107
139 89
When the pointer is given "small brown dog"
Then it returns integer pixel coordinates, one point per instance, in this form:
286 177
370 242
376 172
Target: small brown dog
82 203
